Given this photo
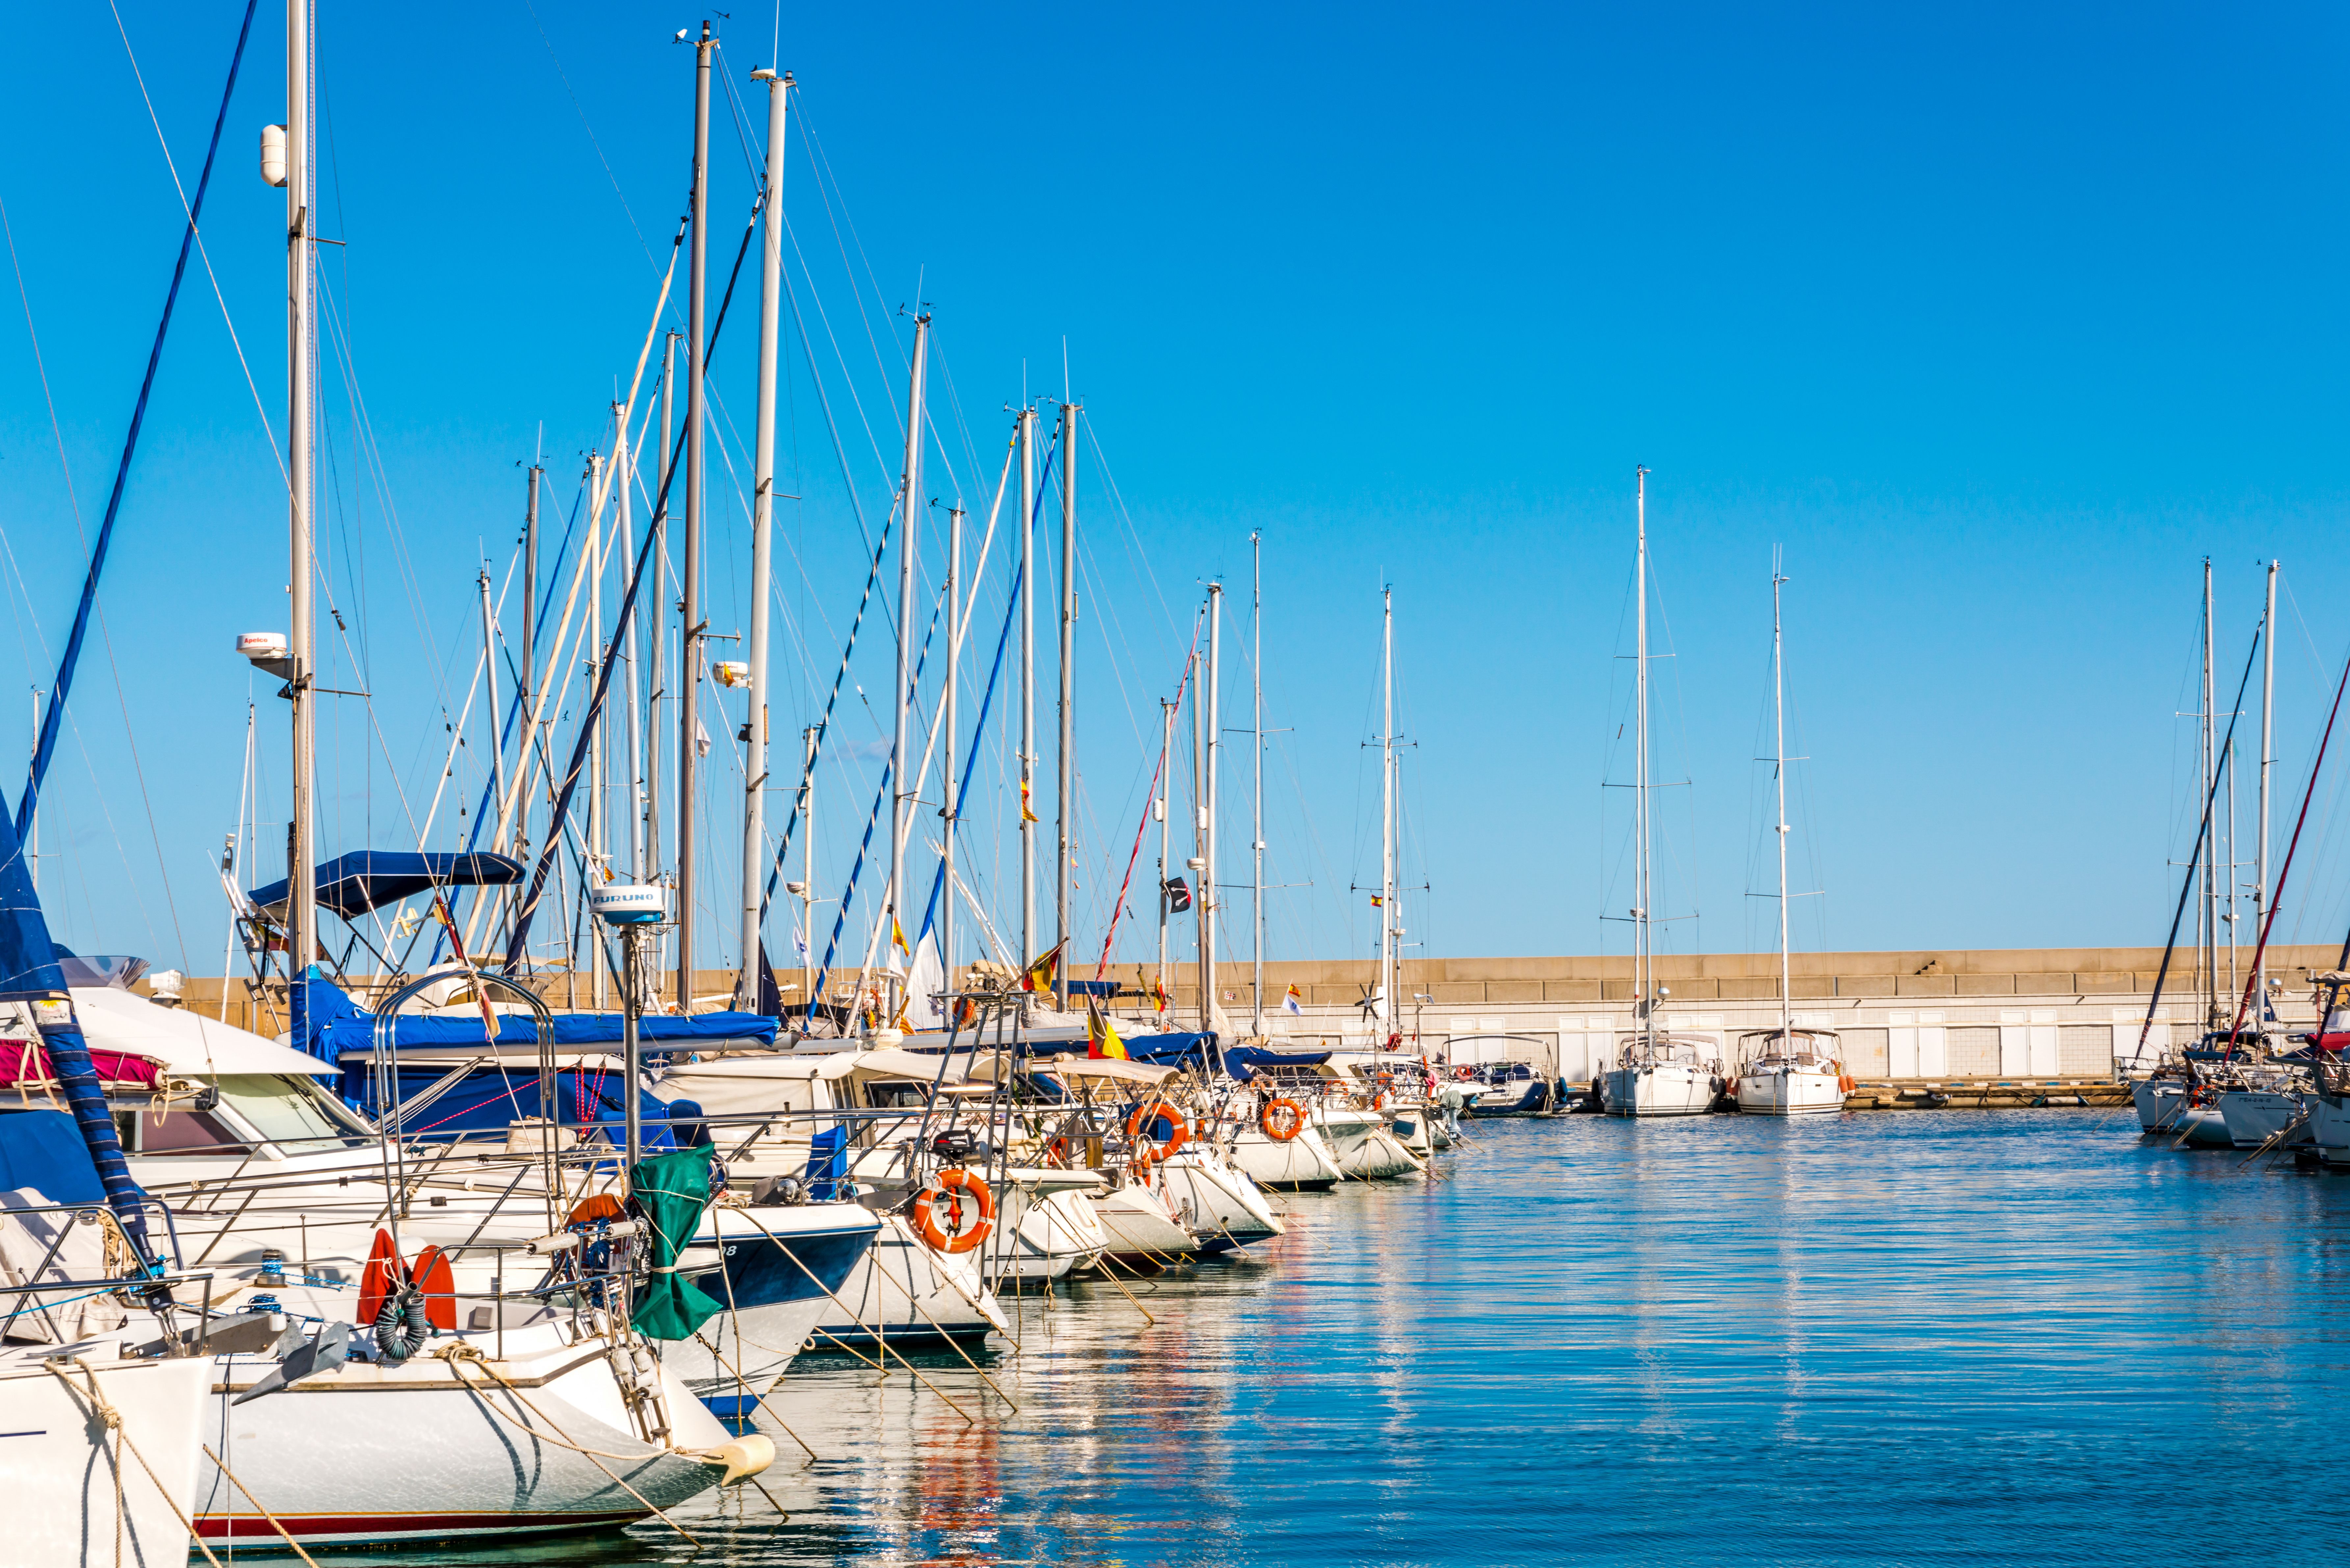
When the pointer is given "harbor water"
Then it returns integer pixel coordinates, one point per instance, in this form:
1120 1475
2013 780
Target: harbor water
1955 1337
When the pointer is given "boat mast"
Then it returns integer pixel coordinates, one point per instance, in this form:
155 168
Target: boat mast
950 804
909 544
1028 685
656 612
1212 692
1387 813
689 669
1779 773
490 674
597 857
1256 764
2210 774
1066 761
1199 861
301 869
1643 960
1159 806
2268 756
762 516
624 527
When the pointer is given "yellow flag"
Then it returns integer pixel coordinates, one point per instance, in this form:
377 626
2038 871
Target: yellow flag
1025 814
898 935
1101 1036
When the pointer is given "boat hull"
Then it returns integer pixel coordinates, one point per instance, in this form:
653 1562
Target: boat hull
1789 1092
1662 1089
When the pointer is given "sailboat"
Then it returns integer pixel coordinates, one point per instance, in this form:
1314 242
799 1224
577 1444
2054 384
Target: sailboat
1787 1070
1656 1073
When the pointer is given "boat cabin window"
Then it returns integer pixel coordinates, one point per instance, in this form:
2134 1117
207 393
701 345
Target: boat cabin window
895 1094
179 1129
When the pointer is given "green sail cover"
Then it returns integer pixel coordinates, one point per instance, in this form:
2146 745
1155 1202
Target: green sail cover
671 1190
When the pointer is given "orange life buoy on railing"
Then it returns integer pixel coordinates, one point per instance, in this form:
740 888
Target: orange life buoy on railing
1282 1119
949 1187
1464 1075
1382 1100
1846 1084
1158 1110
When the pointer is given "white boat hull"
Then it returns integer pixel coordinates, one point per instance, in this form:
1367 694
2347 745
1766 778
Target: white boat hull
1789 1092
1662 1089
60 1462
366 1455
1217 1201
1140 1227
1300 1163
2255 1115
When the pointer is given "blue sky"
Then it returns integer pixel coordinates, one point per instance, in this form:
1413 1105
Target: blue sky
1999 322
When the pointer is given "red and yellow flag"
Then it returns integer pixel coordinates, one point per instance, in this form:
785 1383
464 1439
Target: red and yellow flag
1101 1036
1042 973
898 935
1025 814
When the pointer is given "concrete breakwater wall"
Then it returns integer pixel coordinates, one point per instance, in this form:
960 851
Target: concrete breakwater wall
1965 1014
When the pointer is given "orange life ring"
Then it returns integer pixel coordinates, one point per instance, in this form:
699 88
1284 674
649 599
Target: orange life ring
1293 1118
1158 1110
1056 1153
1464 1075
1382 1100
949 1186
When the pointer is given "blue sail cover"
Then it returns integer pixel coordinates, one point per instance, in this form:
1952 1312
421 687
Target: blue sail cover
29 973
490 1097
330 1026
43 1150
365 879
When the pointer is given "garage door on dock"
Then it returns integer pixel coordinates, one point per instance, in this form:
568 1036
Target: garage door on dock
1974 1053
2085 1049
1864 1052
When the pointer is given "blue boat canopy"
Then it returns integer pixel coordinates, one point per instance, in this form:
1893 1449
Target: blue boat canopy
365 879
329 1025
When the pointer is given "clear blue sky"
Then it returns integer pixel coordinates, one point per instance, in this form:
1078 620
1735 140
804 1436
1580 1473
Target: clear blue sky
1999 322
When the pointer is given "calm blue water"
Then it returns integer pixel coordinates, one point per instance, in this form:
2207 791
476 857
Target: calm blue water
1957 1337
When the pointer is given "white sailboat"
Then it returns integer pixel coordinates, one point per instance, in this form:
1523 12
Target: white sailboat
1655 1075
1786 1071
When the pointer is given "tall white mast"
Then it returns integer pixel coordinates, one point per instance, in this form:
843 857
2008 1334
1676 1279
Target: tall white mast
762 516
1779 773
301 870
1199 861
1211 895
1066 761
2268 756
908 543
1387 815
951 804
689 662
1028 947
2210 955
1643 960
1256 764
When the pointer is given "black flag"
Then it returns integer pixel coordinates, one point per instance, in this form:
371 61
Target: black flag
1177 895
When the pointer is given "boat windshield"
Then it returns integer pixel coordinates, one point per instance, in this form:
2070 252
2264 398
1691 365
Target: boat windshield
288 1110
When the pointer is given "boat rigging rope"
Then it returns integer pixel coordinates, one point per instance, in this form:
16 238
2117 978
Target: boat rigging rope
111 1419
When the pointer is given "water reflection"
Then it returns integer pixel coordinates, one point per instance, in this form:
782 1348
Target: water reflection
1983 1336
